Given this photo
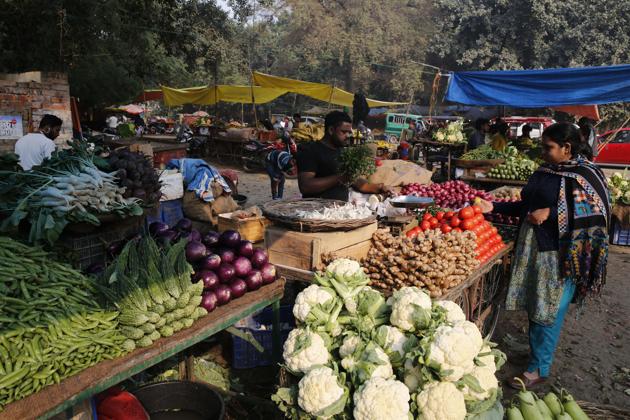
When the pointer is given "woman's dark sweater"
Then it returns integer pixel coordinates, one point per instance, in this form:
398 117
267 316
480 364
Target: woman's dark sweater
541 192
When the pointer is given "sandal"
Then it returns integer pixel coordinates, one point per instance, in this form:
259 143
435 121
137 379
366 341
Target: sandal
529 383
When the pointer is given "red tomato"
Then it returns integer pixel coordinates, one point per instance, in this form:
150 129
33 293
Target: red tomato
449 214
477 209
434 222
494 230
413 232
468 224
425 225
457 229
455 221
426 216
378 162
478 218
466 213
446 228
439 215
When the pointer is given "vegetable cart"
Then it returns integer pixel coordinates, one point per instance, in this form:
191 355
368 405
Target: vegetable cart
429 146
55 399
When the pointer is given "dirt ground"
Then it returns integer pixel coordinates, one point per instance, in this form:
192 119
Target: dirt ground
593 356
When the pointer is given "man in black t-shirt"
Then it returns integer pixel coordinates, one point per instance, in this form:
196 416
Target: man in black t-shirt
318 163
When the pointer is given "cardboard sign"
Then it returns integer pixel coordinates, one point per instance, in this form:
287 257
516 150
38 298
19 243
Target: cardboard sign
11 127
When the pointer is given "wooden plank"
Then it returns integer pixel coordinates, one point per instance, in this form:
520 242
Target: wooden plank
293 273
56 398
513 182
355 252
281 258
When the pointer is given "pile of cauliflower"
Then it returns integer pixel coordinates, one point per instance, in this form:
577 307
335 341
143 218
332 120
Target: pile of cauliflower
358 355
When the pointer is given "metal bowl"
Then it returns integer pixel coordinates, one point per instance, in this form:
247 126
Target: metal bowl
411 202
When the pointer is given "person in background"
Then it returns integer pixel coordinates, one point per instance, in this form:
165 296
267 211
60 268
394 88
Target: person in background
318 163
499 138
525 141
138 121
278 125
277 163
589 137
297 120
33 148
562 246
288 124
111 123
478 138
411 131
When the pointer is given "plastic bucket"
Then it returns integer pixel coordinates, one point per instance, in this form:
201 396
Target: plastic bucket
180 400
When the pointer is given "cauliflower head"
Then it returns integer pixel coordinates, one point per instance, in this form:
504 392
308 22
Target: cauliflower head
487 381
454 348
485 359
308 298
441 401
381 399
411 309
367 362
391 339
349 345
304 350
320 394
454 312
344 267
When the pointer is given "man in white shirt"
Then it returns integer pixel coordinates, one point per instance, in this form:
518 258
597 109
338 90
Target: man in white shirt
33 148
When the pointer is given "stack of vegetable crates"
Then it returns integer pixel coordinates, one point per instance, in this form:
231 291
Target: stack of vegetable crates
244 355
84 250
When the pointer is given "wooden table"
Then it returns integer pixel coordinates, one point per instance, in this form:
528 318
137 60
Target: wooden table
57 398
449 147
494 181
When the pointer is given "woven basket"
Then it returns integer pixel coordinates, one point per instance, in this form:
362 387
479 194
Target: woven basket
603 412
283 213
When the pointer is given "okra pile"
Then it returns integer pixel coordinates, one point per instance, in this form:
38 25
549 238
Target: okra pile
50 324
151 288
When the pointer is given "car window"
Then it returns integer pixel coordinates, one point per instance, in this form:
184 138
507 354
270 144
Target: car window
622 137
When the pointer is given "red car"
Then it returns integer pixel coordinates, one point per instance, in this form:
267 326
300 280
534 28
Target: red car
617 151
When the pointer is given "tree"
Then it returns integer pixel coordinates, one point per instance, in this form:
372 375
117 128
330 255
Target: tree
501 34
112 49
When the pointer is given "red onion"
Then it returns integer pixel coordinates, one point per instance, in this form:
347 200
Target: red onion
242 266
210 279
268 272
223 293
211 262
209 301
246 249
238 288
254 280
226 272
259 258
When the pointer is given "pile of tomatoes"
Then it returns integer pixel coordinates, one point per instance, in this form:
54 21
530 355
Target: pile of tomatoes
470 218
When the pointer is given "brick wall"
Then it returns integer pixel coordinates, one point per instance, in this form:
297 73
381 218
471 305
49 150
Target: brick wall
32 95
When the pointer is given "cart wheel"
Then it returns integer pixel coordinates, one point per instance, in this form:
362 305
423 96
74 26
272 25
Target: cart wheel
490 323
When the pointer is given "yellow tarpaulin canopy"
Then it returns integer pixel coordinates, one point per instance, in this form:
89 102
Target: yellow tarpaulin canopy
209 95
321 91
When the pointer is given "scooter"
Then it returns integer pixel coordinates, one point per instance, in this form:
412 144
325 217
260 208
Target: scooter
255 152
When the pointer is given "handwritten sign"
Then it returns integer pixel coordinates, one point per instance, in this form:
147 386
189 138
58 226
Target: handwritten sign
11 126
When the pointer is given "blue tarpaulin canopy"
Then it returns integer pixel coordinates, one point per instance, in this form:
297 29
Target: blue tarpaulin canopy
541 88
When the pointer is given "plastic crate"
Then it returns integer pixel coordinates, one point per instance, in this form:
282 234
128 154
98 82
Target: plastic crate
169 212
84 250
620 236
245 356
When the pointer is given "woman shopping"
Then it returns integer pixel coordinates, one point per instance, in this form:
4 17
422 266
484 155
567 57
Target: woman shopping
562 247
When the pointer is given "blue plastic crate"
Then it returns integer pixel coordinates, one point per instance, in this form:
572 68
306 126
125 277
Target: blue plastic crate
169 212
245 356
620 236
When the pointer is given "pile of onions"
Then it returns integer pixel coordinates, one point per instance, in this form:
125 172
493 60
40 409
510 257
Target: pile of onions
228 266
450 194
167 235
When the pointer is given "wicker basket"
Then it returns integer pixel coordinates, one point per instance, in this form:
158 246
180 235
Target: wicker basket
283 213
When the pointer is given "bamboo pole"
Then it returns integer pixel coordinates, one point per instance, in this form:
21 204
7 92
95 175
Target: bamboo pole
612 136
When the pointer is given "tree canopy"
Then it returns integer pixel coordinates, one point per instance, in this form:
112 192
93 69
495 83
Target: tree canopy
112 49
